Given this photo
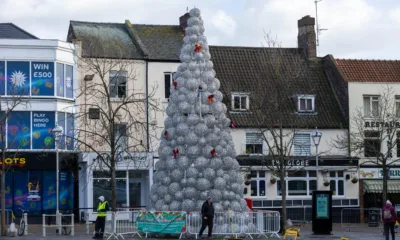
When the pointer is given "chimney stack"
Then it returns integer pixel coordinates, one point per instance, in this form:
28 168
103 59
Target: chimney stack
183 21
306 39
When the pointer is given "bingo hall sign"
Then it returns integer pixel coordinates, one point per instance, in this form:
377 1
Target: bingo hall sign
42 78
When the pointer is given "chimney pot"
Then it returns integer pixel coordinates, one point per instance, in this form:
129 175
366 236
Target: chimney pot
306 38
183 21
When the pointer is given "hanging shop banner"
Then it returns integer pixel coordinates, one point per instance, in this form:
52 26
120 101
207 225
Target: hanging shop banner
18 78
42 77
2 77
20 190
19 130
49 190
70 131
322 206
162 222
42 125
60 80
69 73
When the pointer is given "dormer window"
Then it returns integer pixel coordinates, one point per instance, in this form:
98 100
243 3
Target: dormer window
305 103
240 101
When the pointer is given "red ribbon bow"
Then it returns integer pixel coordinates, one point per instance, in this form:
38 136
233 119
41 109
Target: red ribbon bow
166 134
198 47
232 124
175 152
212 152
175 84
211 98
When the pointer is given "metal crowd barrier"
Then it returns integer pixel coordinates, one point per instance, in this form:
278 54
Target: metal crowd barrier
121 223
299 215
361 218
261 223
58 224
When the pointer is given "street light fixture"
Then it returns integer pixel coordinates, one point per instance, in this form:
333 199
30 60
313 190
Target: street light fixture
316 137
57 132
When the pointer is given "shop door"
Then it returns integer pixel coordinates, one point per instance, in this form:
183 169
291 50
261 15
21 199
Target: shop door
135 194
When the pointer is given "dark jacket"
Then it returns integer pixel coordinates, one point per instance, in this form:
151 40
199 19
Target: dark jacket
392 211
207 210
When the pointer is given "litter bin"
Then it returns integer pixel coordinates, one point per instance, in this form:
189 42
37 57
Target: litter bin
373 219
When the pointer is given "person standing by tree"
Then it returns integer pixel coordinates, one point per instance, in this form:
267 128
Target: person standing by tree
207 215
101 218
389 218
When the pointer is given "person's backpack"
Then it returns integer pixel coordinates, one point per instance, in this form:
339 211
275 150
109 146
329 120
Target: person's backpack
387 214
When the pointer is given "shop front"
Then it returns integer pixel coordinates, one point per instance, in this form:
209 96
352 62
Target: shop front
334 174
371 186
31 182
132 182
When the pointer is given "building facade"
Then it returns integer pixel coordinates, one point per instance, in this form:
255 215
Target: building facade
37 88
369 94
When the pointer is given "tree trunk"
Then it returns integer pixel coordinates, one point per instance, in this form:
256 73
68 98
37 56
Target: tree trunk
283 188
384 187
113 186
3 201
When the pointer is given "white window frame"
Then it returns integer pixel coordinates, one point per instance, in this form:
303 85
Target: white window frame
257 179
372 99
293 148
305 98
240 95
118 74
397 102
252 143
307 179
171 79
337 179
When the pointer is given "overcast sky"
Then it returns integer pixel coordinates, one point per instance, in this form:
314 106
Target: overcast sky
368 29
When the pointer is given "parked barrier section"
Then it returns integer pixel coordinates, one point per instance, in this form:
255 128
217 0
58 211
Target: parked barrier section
59 223
361 218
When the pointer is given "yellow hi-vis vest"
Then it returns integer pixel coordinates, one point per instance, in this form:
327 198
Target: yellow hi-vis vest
101 209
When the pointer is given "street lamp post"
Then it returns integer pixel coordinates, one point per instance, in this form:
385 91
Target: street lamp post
316 137
57 132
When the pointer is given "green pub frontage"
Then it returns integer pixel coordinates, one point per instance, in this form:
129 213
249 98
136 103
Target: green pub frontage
371 186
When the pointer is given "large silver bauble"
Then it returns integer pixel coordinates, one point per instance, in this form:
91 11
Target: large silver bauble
175 206
201 163
216 163
219 183
183 162
193 151
174 188
191 182
188 205
209 174
193 119
167 198
203 184
182 129
179 196
176 175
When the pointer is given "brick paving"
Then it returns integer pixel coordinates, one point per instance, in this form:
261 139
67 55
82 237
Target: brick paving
305 233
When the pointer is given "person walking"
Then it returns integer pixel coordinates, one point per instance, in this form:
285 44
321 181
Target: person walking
207 215
389 218
102 209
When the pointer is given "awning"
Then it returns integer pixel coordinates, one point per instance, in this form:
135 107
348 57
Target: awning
376 186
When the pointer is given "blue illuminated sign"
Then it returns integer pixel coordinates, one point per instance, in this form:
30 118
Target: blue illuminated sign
18 78
42 78
42 124
2 77
19 132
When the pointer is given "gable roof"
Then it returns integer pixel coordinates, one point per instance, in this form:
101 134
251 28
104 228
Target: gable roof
11 31
369 70
243 69
152 42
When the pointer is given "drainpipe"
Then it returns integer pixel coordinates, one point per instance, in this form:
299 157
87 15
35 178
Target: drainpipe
147 106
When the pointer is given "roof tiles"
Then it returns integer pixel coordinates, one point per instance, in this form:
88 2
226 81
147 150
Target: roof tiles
369 70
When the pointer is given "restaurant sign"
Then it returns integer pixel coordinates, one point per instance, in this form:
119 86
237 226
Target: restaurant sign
373 173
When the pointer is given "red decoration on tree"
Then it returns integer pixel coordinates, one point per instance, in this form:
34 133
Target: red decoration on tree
166 134
175 84
232 124
175 152
198 47
212 152
211 98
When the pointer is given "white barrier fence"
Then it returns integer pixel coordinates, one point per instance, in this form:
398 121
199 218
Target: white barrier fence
63 224
260 223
